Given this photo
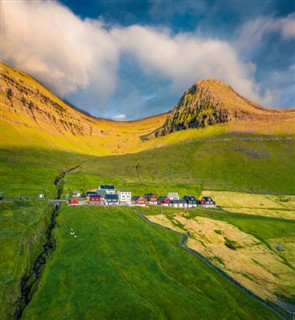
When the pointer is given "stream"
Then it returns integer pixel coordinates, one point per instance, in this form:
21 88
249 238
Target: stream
29 280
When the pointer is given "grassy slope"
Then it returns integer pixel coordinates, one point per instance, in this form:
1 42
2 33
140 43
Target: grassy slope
246 166
22 235
268 232
118 257
251 166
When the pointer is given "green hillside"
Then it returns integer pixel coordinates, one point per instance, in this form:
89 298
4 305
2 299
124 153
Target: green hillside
120 267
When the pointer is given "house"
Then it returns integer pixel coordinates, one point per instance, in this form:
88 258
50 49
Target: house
207 202
91 193
124 196
73 202
111 199
178 204
160 199
109 189
173 196
139 200
102 193
165 202
151 198
76 194
94 199
191 201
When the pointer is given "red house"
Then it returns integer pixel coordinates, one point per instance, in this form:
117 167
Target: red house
139 200
94 199
73 202
166 202
151 198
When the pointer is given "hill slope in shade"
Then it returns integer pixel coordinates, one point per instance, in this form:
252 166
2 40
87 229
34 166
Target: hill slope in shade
209 102
32 116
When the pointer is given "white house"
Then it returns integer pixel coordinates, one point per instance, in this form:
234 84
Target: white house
178 204
173 196
124 196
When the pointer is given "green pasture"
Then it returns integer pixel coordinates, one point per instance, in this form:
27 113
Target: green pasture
120 267
22 233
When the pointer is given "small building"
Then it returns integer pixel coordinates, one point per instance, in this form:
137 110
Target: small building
124 196
151 198
165 202
73 202
94 199
41 195
178 204
102 193
76 194
160 199
191 201
111 199
139 200
173 196
207 202
109 189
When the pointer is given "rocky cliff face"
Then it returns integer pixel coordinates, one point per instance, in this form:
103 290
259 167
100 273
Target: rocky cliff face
209 102
27 102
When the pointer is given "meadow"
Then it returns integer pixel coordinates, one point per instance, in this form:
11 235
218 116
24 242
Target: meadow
120 267
22 233
255 262
188 167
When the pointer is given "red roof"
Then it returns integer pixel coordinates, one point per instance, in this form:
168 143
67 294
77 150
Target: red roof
74 200
166 201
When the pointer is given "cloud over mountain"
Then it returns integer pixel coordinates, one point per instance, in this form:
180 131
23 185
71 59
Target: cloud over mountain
83 59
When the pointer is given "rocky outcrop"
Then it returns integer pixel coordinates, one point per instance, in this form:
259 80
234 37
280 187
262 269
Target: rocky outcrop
209 102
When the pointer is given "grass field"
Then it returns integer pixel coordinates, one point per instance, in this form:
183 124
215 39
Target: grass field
187 168
256 262
120 267
277 206
22 233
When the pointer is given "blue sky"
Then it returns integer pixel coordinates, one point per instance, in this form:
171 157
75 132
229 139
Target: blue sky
132 59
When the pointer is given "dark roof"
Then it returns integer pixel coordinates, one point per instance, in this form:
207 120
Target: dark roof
111 197
161 198
135 198
106 187
94 196
207 198
178 201
190 198
91 192
148 195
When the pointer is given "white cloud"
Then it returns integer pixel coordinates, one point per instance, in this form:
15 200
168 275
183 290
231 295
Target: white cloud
82 57
187 57
253 31
48 41
119 117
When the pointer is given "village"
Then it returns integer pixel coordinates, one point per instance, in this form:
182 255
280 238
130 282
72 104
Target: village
106 195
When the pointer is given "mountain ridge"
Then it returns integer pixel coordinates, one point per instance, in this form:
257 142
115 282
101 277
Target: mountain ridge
33 116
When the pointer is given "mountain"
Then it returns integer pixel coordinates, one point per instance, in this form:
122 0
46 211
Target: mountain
33 116
210 102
